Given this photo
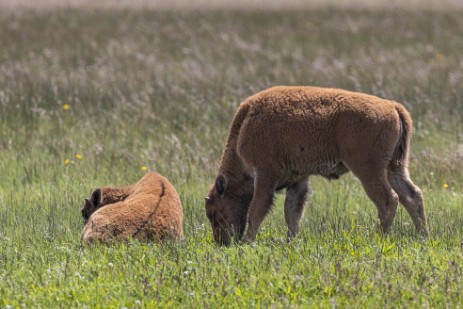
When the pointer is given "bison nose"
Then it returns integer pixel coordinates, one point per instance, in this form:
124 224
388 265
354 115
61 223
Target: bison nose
223 242
222 238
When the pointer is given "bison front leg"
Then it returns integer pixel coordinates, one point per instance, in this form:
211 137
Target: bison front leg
296 195
264 190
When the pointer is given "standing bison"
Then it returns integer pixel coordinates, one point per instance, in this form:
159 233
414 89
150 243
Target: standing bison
148 210
282 135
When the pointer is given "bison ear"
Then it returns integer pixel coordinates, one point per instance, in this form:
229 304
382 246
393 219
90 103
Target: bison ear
220 184
96 198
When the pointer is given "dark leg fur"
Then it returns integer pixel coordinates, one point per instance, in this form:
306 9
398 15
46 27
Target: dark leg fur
296 195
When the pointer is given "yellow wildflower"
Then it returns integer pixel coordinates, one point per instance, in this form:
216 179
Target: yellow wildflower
66 107
78 156
445 186
143 168
67 161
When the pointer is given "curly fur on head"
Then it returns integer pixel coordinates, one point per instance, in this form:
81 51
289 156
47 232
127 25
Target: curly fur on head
148 210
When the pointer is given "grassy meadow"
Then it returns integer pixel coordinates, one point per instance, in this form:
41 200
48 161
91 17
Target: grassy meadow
100 96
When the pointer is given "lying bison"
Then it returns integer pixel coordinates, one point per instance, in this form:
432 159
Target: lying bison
281 136
148 210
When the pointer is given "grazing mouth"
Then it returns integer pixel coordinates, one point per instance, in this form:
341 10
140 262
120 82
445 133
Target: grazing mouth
224 237
223 242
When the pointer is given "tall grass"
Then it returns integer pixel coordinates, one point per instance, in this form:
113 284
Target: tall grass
124 88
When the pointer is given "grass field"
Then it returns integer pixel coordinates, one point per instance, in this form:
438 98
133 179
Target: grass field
91 96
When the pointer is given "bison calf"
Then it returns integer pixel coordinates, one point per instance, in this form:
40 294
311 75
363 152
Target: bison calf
149 210
282 135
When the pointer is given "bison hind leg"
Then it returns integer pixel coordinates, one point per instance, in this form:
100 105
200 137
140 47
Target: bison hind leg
410 197
296 195
375 183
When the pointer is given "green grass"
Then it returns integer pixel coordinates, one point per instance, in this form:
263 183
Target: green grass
158 88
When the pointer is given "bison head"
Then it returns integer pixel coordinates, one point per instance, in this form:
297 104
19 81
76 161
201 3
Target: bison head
226 211
91 205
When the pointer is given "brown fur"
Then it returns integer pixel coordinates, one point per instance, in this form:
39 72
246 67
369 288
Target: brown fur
282 135
148 210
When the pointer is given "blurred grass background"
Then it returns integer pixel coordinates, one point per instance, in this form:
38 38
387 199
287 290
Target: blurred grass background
92 92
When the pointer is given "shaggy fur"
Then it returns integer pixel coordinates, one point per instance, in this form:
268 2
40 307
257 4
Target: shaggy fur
148 210
282 135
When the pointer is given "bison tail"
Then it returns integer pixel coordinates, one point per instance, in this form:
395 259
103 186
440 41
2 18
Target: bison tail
400 156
